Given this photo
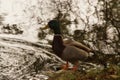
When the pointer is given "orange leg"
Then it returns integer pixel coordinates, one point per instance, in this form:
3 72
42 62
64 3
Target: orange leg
65 67
75 67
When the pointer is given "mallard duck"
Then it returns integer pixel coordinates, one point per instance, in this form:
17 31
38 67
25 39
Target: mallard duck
68 50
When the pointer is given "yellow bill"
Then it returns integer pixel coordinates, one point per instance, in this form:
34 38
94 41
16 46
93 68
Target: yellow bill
46 27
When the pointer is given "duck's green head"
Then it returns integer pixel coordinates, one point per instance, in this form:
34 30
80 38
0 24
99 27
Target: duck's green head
54 25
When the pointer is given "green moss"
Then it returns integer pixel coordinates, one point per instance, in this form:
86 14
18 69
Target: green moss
110 73
65 75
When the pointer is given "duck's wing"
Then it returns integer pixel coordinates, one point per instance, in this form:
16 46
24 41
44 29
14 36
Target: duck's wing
77 44
73 54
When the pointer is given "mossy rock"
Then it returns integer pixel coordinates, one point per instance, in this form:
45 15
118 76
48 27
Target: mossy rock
65 75
111 73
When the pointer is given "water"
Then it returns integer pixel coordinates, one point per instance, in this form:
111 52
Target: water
18 58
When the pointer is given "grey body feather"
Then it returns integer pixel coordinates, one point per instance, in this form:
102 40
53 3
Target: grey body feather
73 54
79 45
